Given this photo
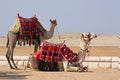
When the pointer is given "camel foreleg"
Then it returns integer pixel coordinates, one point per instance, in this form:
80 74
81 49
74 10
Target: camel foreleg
8 58
11 57
13 62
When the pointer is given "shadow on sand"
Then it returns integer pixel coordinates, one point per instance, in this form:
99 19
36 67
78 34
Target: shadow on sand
10 75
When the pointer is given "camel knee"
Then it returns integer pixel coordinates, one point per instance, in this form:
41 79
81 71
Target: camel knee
11 58
7 56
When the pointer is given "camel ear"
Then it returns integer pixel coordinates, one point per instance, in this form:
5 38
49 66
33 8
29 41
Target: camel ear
50 20
89 34
82 35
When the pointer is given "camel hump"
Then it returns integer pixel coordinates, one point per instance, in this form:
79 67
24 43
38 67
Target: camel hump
22 22
15 27
28 28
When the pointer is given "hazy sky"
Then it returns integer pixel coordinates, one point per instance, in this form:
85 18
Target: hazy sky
98 16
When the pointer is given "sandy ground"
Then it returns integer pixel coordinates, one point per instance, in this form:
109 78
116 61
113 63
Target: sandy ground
92 74
94 50
103 45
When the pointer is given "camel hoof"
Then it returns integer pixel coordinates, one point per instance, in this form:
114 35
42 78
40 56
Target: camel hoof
17 69
12 68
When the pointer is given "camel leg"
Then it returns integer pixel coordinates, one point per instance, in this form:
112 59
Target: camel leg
60 66
13 62
12 49
34 63
11 42
36 46
28 65
8 58
60 63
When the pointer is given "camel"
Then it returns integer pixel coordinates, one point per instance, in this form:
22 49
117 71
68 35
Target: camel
84 48
62 63
12 38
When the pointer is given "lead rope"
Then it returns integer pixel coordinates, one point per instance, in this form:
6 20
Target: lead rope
59 37
88 55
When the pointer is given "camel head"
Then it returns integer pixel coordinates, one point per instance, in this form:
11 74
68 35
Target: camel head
84 45
85 40
87 37
53 22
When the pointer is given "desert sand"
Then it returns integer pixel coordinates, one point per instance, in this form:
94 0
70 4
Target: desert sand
93 74
103 45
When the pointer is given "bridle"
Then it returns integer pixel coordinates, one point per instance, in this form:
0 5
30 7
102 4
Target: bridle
86 50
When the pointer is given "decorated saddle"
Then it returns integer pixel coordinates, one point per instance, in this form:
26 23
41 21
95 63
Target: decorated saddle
51 52
29 29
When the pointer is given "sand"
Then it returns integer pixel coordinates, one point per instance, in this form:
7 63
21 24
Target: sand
94 50
103 45
93 74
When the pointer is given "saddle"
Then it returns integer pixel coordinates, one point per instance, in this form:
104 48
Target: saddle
48 52
29 28
51 52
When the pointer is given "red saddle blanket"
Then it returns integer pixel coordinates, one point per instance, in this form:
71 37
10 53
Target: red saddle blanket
29 27
51 52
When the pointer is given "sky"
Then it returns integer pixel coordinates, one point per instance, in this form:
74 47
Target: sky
97 16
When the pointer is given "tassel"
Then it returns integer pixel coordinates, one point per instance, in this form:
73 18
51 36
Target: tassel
18 42
29 43
33 42
24 43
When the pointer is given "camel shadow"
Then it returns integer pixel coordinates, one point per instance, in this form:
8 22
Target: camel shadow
9 75
87 71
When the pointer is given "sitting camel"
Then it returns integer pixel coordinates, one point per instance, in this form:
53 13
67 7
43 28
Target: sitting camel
13 37
65 54
84 46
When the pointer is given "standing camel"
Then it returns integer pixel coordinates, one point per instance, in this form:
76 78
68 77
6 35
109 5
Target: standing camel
13 37
84 48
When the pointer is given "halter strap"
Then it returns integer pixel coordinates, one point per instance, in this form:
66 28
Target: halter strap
84 50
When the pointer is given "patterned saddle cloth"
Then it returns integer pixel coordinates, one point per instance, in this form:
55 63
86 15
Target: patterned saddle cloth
29 28
51 52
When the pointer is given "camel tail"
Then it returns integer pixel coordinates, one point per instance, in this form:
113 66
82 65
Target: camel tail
7 41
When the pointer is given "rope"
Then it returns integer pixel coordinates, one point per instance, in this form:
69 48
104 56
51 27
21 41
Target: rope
88 55
59 37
